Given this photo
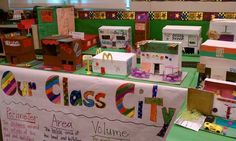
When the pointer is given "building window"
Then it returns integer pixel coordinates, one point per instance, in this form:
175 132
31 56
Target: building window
219 52
178 37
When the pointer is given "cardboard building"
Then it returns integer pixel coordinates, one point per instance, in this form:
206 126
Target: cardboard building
18 49
161 57
190 36
224 103
218 60
224 28
115 36
62 52
114 63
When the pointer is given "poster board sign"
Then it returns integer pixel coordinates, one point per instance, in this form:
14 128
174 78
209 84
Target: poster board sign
39 105
65 20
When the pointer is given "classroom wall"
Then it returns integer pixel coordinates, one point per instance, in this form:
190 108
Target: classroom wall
171 6
4 5
184 6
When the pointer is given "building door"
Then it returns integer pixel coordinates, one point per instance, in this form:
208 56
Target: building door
156 68
113 43
231 76
13 60
208 72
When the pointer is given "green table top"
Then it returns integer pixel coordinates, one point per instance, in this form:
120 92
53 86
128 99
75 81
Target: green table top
190 58
178 133
189 81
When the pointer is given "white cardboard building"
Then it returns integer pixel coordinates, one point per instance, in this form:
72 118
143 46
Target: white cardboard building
115 36
219 58
226 28
190 36
114 62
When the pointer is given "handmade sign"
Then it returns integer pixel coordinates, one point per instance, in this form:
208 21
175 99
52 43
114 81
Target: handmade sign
46 15
65 20
38 105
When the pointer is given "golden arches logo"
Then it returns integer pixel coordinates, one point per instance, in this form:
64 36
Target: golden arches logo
107 56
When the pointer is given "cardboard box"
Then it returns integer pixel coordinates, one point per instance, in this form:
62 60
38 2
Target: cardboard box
224 104
114 63
225 28
115 36
89 41
18 49
219 58
63 52
158 56
190 36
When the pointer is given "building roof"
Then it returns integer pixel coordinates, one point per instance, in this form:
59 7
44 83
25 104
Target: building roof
117 56
115 27
190 30
224 20
160 47
220 44
210 47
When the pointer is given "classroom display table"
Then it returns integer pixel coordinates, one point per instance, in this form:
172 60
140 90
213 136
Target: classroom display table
40 104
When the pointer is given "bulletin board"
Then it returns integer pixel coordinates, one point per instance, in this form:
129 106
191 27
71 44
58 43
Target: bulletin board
47 21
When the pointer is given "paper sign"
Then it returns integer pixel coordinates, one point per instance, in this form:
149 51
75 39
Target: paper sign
200 100
65 20
77 35
17 14
46 16
39 105
146 66
194 124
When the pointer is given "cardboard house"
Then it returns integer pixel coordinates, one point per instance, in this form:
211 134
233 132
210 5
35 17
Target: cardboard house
190 36
114 63
18 49
63 52
161 58
218 60
89 41
115 36
224 103
224 28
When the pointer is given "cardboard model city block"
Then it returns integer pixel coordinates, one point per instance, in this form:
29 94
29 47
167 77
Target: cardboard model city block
114 63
